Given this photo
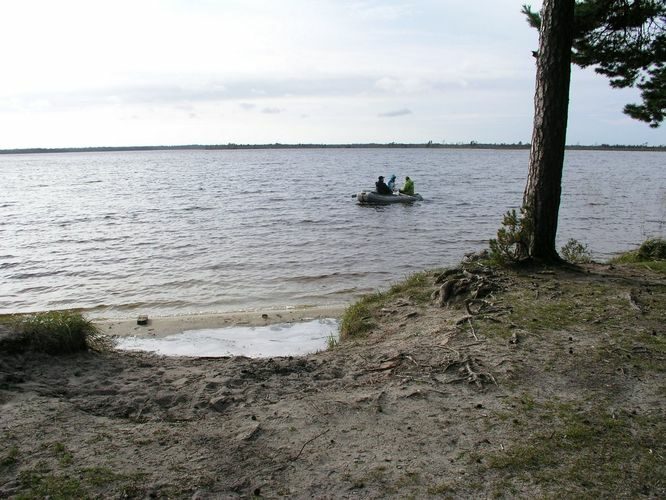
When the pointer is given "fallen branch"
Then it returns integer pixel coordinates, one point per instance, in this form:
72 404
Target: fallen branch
307 443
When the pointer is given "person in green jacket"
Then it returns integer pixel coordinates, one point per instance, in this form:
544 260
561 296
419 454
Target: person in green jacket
408 188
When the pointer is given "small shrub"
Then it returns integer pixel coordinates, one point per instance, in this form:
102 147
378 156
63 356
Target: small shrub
512 243
575 252
53 332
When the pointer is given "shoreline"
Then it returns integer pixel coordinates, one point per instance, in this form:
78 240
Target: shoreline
420 405
162 326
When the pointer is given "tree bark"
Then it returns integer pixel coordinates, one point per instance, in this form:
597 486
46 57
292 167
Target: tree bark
551 106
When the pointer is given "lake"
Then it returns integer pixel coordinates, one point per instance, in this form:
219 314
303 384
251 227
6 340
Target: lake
195 231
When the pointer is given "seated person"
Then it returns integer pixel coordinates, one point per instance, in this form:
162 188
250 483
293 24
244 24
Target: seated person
408 188
381 187
391 183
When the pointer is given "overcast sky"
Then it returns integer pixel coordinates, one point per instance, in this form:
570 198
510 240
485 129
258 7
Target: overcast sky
143 72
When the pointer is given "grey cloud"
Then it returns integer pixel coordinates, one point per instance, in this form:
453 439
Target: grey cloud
165 94
243 91
398 112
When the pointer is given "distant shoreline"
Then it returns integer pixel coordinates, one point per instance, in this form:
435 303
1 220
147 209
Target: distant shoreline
471 145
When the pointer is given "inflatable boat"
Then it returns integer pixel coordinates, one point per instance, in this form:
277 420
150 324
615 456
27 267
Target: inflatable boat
373 198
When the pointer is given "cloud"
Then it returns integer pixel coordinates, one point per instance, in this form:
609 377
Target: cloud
374 12
178 93
271 111
402 85
398 112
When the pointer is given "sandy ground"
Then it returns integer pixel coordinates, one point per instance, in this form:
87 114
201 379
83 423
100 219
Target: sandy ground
396 414
169 325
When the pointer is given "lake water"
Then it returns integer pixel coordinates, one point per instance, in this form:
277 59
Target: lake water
282 339
181 232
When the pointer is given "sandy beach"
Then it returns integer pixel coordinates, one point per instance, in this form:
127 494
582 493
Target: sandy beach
163 326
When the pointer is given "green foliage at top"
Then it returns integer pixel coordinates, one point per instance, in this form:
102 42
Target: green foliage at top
624 40
512 243
52 332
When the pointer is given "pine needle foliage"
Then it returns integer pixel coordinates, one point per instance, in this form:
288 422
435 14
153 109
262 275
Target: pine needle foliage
575 252
512 242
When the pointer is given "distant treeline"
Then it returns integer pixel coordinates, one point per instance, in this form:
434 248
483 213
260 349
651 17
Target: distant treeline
470 145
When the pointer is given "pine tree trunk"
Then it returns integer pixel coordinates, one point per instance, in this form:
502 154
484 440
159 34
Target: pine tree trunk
551 106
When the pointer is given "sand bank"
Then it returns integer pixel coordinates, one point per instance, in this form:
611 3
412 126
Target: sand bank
169 325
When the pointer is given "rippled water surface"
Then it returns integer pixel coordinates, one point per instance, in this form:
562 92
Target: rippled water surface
177 232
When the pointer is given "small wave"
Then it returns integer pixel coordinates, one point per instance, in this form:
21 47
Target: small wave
197 209
78 220
23 276
34 289
320 277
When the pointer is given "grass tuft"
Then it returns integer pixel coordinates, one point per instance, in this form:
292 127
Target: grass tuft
52 332
358 318
652 250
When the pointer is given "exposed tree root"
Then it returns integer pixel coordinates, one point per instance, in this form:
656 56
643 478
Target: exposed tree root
472 283
470 374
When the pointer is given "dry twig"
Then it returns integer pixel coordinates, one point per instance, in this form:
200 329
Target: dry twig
307 443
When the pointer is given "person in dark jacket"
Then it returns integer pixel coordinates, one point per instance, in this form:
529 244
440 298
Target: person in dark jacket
381 187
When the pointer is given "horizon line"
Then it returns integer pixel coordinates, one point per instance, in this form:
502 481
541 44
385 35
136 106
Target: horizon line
277 145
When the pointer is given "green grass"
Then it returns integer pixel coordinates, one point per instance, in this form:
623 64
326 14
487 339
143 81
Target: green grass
35 485
358 318
78 483
416 287
651 252
52 332
10 457
589 453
